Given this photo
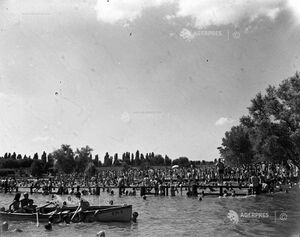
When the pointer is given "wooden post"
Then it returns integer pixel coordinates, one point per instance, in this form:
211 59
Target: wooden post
221 191
167 190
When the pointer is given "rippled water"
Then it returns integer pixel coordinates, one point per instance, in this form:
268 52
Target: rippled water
182 216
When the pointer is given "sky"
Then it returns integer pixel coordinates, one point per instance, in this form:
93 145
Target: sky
163 76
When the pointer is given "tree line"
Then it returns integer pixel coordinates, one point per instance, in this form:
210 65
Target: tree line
270 132
66 160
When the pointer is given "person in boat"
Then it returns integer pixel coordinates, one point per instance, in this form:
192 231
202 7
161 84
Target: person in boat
15 206
83 206
31 207
27 204
59 215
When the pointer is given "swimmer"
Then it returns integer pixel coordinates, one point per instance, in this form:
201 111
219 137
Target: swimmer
134 216
48 226
5 228
144 197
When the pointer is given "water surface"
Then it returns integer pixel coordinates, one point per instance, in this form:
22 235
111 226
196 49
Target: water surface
182 216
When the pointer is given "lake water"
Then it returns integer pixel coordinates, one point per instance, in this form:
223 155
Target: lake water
273 215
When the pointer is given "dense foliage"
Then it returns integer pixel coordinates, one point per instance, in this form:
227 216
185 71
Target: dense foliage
66 160
271 130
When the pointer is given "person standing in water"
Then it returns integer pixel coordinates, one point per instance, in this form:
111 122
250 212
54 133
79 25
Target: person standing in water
220 169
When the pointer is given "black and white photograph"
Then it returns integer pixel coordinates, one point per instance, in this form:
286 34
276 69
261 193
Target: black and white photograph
149 118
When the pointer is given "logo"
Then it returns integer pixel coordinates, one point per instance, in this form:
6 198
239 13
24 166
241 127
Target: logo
236 35
233 216
283 216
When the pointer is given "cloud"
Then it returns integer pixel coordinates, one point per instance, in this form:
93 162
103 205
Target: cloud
222 121
220 12
116 10
202 13
41 139
294 7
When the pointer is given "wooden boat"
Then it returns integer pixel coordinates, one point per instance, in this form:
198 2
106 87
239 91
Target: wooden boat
93 214
7 216
109 214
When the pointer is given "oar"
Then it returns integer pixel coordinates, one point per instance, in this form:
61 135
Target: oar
75 213
37 218
49 203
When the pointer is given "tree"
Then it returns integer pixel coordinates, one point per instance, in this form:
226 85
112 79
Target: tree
110 161
100 163
137 160
83 158
106 160
181 161
44 157
37 168
25 162
167 161
116 160
126 158
36 156
271 130
132 159
236 147
64 158
96 160
13 156
90 169
49 163
157 160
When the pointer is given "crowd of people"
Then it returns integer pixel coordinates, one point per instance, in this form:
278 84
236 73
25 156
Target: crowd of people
261 177
265 175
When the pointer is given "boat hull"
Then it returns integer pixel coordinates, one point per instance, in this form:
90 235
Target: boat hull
114 214
93 214
5 216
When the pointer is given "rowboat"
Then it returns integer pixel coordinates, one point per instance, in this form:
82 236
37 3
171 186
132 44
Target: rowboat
92 214
7 216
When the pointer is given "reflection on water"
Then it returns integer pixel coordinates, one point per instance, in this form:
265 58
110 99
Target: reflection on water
182 216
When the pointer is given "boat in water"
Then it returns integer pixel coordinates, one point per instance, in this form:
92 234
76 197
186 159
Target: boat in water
122 213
